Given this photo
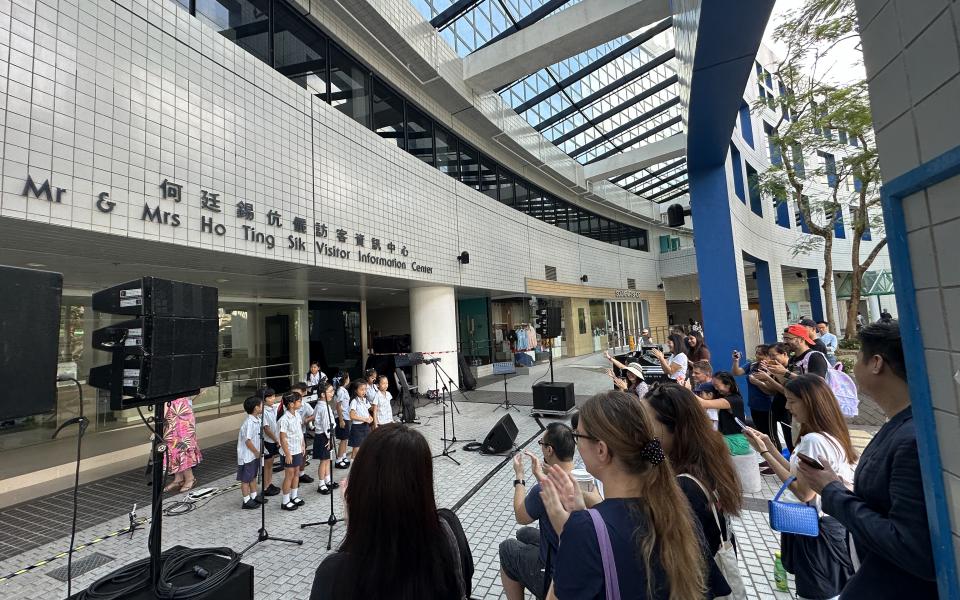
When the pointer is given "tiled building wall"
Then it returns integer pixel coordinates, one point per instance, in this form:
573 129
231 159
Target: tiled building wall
118 96
912 56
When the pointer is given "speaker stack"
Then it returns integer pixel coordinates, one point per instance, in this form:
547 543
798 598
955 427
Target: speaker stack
553 398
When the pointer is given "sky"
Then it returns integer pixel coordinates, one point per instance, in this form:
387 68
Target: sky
846 64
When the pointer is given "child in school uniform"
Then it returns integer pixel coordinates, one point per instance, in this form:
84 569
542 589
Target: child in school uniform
342 432
384 413
307 416
271 438
248 453
322 442
360 417
292 447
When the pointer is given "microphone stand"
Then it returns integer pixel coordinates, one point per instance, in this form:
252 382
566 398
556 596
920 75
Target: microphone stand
446 390
443 439
262 534
332 518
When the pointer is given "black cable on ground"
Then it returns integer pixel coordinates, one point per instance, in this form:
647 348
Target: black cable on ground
82 422
173 567
127 580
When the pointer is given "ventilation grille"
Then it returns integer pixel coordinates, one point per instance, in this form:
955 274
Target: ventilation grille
550 273
81 566
631 284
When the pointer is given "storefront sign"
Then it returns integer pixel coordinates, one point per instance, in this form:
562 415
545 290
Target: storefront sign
627 294
369 249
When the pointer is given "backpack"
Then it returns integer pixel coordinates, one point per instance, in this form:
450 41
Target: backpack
841 385
466 557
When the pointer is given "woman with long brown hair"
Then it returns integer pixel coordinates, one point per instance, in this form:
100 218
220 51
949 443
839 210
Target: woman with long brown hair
821 564
656 550
696 449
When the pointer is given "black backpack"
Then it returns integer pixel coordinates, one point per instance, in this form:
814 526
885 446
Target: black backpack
466 557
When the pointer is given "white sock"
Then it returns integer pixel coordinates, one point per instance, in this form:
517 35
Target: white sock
295 492
246 499
253 494
286 498
340 457
327 480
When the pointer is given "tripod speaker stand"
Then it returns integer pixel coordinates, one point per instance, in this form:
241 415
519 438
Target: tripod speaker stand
332 518
262 534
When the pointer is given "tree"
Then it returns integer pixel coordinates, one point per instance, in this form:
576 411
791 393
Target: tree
831 122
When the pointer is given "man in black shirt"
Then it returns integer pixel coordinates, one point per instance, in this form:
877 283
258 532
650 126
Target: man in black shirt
811 327
886 513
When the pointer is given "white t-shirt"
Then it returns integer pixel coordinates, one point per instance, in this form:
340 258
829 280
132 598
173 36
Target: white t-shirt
270 420
816 445
291 425
362 407
384 410
324 417
679 359
305 412
250 430
343 400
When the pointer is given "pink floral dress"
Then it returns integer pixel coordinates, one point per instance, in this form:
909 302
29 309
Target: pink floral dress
180 433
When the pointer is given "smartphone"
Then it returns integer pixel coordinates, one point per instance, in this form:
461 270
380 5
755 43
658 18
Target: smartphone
809 461
740 423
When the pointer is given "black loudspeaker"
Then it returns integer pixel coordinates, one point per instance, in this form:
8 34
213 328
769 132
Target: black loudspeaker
238 586
554 396
675 216
29 336
501 437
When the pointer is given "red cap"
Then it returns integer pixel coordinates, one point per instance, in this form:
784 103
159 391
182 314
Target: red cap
801 332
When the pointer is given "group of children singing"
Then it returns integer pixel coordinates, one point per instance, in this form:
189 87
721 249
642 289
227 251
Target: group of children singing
351 409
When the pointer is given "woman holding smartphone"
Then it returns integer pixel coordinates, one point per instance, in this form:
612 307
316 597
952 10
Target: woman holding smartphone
822 564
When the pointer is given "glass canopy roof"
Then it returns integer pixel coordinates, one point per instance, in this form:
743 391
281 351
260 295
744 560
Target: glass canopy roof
607 100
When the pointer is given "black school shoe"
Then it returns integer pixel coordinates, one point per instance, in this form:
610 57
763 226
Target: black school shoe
333 485
342 464
251 503
260 499
271 490
289 506
323 488
306 478
298 501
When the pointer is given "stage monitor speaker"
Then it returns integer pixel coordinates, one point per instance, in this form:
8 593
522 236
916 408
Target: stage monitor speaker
554 396
29 337
238 586
501 437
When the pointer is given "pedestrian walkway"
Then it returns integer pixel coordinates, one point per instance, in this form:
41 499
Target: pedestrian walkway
479 490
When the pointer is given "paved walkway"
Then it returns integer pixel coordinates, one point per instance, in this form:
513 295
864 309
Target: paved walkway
479 489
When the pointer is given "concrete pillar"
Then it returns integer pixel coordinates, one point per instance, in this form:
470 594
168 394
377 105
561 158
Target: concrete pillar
433 328
717 265
873 309
816 295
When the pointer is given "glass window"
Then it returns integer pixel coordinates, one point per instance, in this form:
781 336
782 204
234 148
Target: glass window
419 134
349 86
469 166
387 113
535 203
561 210
300 51
506 188
446 147
549 210
243 21
488 177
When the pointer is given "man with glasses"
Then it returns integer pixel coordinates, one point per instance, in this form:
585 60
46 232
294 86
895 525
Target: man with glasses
525 562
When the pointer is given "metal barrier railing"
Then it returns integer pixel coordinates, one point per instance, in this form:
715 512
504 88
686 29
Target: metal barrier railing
235 385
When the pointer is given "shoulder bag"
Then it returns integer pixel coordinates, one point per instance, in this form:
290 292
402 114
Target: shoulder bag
610 580
726 556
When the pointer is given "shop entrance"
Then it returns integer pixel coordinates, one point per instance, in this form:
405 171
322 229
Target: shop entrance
625 321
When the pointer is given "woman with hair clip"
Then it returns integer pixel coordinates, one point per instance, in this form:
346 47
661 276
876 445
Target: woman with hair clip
649 535
821 564
416 557
705 471
696 348
676 367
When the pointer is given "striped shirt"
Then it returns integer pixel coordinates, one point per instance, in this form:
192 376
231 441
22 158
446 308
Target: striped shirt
290 425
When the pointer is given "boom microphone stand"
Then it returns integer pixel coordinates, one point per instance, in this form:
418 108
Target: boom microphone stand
443 440
332 519
448 391
262 534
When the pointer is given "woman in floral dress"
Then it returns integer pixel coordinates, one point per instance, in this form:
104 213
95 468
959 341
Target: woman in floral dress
183 452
